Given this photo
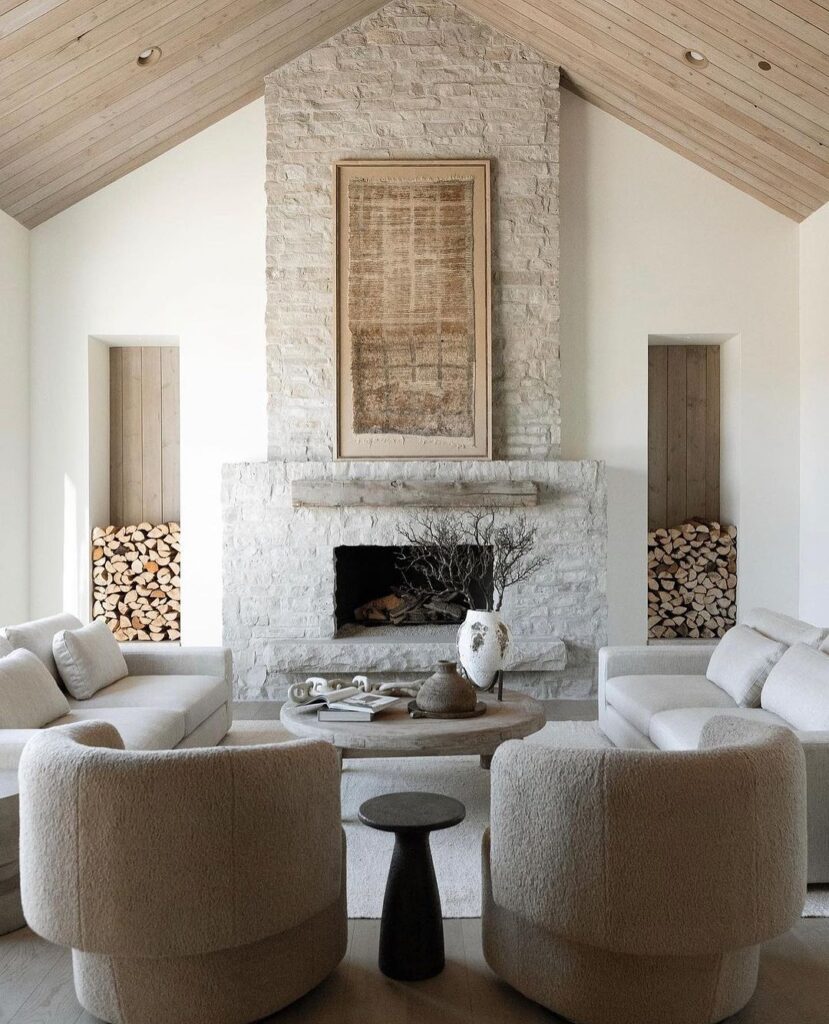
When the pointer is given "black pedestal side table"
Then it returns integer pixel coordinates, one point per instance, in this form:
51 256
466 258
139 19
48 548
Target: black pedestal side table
411 929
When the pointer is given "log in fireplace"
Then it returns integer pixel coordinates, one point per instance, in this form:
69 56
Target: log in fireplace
371 590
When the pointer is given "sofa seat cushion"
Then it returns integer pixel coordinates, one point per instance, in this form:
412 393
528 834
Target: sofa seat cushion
196 696
639 698
680 728
140 728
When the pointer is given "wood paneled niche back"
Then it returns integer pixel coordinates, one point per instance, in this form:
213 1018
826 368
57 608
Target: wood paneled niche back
683 434
144 435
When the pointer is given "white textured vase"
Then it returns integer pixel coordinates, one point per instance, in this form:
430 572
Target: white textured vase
483 642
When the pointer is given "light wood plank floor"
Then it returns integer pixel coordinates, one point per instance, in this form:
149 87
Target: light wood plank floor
36 985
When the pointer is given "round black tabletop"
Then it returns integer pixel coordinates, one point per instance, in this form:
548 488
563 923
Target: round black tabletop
412 812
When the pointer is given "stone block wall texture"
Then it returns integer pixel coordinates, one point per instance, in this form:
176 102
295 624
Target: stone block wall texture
279 566
414 80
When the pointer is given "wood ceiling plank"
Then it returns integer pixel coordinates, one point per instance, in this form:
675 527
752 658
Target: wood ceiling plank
76 112
736 67
707 152
33 165
41 212
811 27
743 24
20 15
82 179
700 20
181 28
72 40
693 144
84 109
675 75
71 18
658 136
696 122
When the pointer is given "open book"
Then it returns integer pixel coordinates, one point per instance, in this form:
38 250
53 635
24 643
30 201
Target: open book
349 705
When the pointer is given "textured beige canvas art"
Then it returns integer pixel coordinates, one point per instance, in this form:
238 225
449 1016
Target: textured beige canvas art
413 309
410 306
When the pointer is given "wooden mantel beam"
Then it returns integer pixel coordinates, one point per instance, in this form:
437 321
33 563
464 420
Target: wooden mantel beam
413 493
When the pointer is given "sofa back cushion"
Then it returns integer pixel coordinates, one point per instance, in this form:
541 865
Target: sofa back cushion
88 659
5 647
741 663
784 629
797 688
37 637
29 696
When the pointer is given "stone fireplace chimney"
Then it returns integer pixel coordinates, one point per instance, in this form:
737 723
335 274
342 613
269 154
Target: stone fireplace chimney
413 80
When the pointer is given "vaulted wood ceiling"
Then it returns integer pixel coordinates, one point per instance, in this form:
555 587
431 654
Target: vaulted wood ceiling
77 112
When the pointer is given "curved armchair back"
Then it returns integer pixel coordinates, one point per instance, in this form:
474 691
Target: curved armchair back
174 853
654 853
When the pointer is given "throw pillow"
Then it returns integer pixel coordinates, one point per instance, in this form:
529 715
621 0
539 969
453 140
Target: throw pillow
29 696
797 688
5 646
741 663
88 659
37 637
783 628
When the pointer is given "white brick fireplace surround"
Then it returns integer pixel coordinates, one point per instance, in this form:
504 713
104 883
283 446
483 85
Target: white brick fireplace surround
412 80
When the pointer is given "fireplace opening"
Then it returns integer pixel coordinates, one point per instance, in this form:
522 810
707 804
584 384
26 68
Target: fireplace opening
371 590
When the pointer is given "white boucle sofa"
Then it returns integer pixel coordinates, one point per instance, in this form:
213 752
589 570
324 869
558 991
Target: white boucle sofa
658 697
172 697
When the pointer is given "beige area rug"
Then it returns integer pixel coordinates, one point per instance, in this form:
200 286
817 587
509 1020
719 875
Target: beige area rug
456 851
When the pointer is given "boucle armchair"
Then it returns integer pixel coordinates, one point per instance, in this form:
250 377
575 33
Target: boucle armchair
634 887
202 886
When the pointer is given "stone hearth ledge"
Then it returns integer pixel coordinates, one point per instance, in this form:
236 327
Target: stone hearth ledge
364 654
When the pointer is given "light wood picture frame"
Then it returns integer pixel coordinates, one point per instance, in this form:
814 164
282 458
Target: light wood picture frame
413 328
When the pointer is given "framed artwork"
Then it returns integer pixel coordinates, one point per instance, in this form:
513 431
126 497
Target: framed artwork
413 327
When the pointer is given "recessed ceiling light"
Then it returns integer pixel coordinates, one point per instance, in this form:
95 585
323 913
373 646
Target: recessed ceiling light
696 59
148 56
764 65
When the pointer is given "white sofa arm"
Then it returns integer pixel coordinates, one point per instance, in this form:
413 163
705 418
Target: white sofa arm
148 659
816 749
659 660
12 742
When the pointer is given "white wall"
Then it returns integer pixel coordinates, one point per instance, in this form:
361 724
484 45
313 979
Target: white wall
652 244
814 417
175 248
14 420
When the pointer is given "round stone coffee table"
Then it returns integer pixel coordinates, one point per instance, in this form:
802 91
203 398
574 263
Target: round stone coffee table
411 928
394 734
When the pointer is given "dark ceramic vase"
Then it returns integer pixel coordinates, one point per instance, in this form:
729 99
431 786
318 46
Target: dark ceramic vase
446 691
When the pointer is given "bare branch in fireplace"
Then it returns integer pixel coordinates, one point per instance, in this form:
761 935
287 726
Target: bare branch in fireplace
468 553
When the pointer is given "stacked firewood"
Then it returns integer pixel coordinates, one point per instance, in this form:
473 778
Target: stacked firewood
692 580
410 610
136 580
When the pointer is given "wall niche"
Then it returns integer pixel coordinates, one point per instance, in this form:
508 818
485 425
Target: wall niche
136 548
